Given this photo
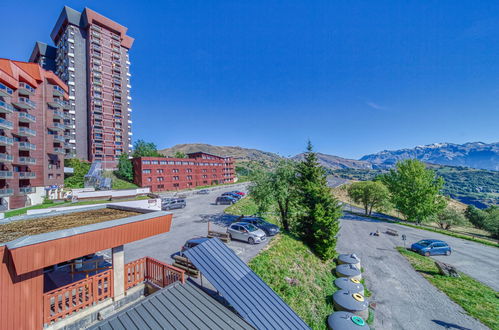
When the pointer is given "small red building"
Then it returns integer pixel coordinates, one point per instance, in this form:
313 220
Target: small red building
198 169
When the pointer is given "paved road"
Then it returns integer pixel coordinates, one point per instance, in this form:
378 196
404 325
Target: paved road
188 223
404 299
477 260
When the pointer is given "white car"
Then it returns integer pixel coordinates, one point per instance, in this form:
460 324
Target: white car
246 232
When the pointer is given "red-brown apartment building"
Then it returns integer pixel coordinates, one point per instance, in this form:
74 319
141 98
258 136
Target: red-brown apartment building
198 169
31 125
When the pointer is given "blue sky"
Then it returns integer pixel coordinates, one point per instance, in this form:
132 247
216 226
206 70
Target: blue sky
355 77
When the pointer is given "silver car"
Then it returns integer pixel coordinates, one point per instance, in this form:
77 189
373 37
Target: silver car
246 232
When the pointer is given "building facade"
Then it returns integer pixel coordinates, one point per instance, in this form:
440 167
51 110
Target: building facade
92 58
32 101
199 169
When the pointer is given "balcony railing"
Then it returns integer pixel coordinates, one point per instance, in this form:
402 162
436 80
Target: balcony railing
6 107
57 103
58 114
26 146
58 126
26 175
27 160
26 190
6 192
59 150
5 91
6 175
25 89
5 124
6 141
153 271
59 138
24 103
63 301
26 131
6 158
58 91
26 117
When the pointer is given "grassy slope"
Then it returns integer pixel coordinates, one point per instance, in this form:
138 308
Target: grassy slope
477 299
287 256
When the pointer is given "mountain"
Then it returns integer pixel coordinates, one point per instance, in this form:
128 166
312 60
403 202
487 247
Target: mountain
334 162
238 153
473 154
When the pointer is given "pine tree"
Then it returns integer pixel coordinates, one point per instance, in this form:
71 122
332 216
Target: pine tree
318 222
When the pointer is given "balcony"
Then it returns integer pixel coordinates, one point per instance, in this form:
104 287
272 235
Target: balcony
5 91
6 158
26 131
26 190
26 146
26 175
25 117
57 127
5 124
4 192
58 150
6 107
6 141
24 103
25 89
57 103
6 175
58 91
58 114
59 138
27 161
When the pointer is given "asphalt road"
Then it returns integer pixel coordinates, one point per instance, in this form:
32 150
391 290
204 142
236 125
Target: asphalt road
190 222
404 299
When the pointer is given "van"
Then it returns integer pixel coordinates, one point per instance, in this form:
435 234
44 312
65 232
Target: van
172 203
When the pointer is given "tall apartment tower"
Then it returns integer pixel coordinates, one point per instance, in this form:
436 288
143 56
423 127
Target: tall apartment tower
91 57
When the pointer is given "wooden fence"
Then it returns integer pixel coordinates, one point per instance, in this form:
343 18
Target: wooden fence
68 299
153 271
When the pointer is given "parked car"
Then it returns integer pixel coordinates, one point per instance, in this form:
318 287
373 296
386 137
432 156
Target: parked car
239 193
173 203
192 243
233 195
269 228
225 200
203 192
429 247
246 232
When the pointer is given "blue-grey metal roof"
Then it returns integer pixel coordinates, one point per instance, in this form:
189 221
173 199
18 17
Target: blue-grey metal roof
178 306
247 293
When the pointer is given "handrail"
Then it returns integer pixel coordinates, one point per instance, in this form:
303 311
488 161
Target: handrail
153 271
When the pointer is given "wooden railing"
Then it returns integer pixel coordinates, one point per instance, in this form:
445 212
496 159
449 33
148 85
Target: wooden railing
68 299
153 271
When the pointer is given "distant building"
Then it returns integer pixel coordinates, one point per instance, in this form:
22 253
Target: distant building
32 144
91 56
199 169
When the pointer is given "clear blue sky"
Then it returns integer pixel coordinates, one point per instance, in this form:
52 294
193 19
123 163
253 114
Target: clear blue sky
355 77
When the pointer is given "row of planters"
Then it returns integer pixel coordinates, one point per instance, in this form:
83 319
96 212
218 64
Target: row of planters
352 308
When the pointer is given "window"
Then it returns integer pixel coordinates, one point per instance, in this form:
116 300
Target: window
146 171
189 177
175 185
146 162
154 162
149 179
159 170
175 170
163 162
176 178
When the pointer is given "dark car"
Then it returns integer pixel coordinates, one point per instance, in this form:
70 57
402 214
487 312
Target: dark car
233 195
192 243
269 228
225 200
430 247
239 192
172 203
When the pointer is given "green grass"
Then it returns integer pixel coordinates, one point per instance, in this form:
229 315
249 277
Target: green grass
244 206
477 299
122 184
50 204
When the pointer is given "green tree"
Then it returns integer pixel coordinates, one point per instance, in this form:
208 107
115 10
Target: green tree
125 168
317 222
371 194
476 216
179 154
276 188
415 190
449 217
491 223
142 148
80 169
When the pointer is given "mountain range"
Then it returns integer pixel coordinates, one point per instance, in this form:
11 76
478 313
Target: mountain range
473 154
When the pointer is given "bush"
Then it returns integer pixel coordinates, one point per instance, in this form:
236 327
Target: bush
475 216
80 169
449 217
491 223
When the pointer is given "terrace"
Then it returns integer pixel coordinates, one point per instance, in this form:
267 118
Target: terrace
56 258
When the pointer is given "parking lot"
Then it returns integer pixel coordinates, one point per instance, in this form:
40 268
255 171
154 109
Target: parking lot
190 222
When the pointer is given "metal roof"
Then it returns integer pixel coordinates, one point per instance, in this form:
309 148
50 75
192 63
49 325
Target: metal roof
247 293
178 306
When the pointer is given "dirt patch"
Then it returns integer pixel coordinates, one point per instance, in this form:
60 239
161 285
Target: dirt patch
16 229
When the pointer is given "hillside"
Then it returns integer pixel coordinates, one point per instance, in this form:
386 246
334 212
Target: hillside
474 154
334 162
